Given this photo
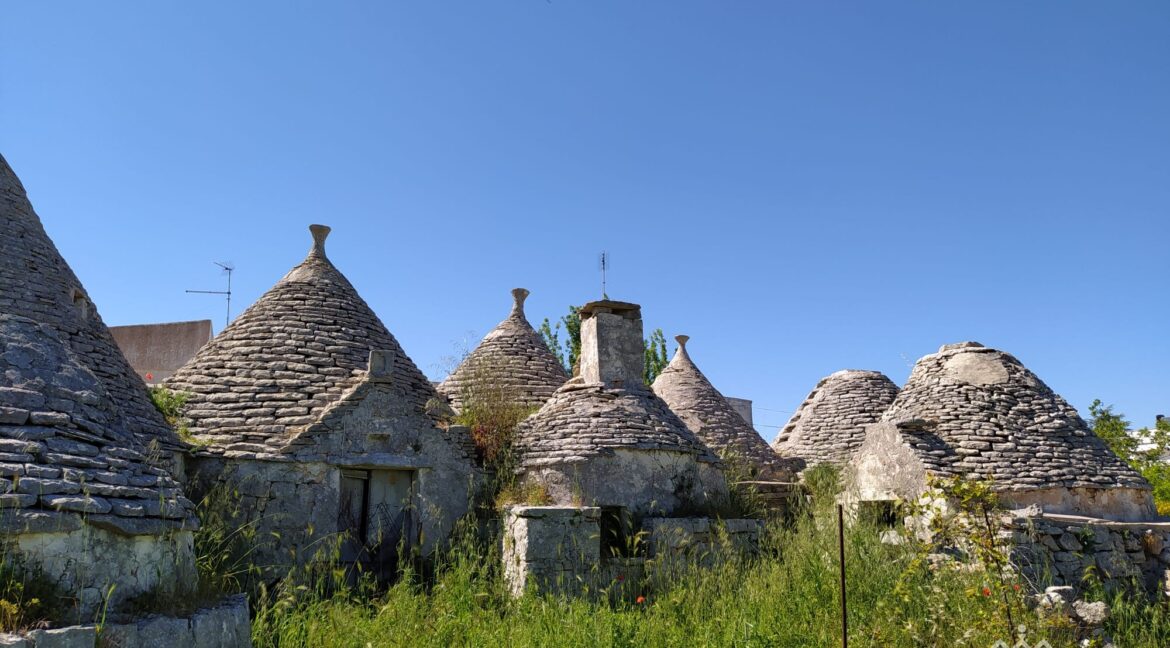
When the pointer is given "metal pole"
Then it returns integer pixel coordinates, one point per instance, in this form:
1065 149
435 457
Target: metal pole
841 557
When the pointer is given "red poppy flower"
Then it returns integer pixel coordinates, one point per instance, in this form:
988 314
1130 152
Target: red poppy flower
621 577
1016 587
986 591
150 376
640 600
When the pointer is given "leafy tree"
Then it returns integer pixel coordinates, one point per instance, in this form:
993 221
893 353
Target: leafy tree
1113 429
656 356
1145 450
568 351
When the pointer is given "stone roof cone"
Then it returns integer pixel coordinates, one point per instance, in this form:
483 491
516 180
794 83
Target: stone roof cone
979 412
38 284
76 424
514 358
290 356
707 413
829 426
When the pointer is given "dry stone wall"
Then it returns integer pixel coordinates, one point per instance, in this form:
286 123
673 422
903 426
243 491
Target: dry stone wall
1060 550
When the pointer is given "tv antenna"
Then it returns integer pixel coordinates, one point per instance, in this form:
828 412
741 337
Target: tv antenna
604 266
228 267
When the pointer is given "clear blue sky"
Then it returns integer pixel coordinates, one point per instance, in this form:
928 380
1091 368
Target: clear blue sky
801 187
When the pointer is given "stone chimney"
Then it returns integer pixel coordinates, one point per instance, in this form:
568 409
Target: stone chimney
611 344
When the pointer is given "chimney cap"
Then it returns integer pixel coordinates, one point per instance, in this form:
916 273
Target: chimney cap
610 306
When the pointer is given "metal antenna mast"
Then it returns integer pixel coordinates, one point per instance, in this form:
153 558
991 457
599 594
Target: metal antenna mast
228 268
604 267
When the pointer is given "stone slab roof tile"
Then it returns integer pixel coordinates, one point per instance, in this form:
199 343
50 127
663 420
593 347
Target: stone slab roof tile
282 363
829 426
62 444
690 395
978 412
38 284
514 358
584 420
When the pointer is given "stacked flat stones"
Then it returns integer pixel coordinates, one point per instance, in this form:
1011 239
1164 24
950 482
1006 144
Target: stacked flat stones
75 420
829 426
688 393
287 359
584 420
40 285
978 412
513 358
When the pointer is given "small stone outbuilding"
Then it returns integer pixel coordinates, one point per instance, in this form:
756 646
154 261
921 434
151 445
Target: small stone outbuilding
511 363
690 395
308 408
979 413
87 496
605 439
829 426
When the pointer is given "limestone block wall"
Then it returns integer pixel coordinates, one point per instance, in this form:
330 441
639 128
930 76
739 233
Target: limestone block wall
86 560
1054 549
644 482
701 538
292 506
551 548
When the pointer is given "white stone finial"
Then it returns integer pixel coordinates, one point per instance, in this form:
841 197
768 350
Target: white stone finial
682 341
320 233
518 297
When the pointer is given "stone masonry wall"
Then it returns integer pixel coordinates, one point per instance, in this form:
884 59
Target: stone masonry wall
701 538
1059 550
645 482
86 560
225 625
550 548
292 505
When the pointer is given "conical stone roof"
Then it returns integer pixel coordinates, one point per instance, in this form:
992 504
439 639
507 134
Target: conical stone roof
283 362
513 358
76 427
829 426
707 413
978 412
40 285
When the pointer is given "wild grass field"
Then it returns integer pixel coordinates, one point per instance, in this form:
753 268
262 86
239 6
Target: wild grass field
788 596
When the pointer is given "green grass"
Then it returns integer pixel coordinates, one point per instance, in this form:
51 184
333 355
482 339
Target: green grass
788 597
